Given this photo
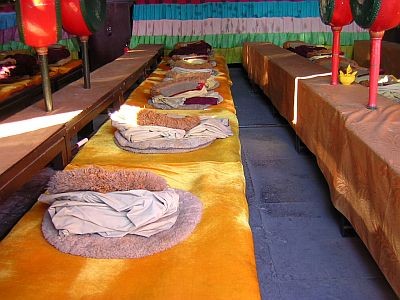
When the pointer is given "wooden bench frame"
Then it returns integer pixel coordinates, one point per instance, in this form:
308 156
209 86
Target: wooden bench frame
55 142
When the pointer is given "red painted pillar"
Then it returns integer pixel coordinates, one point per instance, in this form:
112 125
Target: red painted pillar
335 54
376 41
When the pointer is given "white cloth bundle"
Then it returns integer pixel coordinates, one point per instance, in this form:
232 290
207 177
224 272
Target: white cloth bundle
208 127
179 99
114 214
183 70
211 127
145 133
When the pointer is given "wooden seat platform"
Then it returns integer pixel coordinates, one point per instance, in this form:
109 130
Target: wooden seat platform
20 94
32 138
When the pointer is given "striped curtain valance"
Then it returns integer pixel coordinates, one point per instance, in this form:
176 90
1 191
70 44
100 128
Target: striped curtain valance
237 40
226 25
269 9
234 26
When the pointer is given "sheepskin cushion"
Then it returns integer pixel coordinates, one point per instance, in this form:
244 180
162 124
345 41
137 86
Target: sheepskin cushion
150 117
130 246
93 178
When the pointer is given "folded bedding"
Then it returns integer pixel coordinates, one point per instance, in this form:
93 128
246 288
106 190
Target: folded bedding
192 64
200 267
168 138
197 99
188 89
113 214
197 47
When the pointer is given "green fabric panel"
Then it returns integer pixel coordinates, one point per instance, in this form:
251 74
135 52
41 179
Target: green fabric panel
72 45
13 45
236 40
347 50
232 55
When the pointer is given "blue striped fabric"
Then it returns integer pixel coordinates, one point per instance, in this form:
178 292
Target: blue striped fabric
8 20
303 9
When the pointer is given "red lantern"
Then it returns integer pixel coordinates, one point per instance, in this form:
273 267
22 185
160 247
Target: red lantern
39 25
336 13
39 22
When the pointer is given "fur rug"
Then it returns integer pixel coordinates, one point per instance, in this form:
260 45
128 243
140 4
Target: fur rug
131 246
150 117
101 180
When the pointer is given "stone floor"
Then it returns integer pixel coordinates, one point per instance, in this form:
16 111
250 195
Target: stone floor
299 249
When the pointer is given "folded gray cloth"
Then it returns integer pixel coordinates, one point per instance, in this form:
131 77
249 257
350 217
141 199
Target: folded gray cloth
131 245
213 128
152 133
199 137
216 128
183 70
167 146
178 101
114 214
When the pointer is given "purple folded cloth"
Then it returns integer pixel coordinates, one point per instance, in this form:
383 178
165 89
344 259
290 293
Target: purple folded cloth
55 54
201 100
5 8
199 48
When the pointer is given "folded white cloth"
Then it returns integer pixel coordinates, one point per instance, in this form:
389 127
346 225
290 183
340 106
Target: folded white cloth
208 127
145 133
179 100
115 214
183 70
211 127
173 102
126 116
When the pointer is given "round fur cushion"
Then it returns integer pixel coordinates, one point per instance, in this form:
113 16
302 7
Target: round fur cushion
130 246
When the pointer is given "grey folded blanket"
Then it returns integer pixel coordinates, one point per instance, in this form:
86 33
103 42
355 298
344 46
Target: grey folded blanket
164 146
157 139
129 246
113 214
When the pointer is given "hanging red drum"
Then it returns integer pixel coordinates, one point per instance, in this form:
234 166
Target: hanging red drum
39 22
377 16
39 25
335 13
83 18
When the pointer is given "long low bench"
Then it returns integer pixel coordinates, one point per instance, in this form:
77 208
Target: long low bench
356 149
32 138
